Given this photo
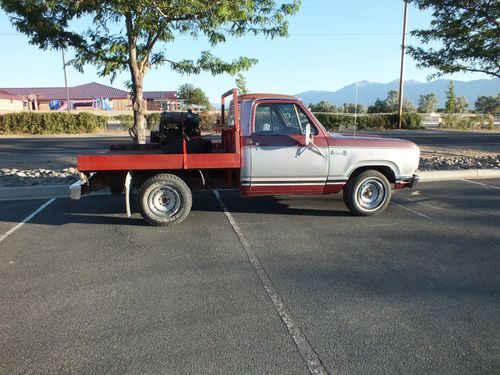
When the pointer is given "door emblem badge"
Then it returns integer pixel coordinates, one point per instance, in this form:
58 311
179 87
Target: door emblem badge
338 153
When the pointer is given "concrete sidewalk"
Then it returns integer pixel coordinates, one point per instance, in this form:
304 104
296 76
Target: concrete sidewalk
435 176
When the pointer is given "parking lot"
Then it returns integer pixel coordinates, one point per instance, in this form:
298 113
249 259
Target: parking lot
285 286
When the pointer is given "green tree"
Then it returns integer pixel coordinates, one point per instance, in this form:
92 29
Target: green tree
131 34
380 106
391 103
192 95
428 103
463 36
324 106
488 104
353 108
241 84
451 99
461 104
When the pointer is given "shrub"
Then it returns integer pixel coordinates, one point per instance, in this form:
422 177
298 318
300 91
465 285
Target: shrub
468 122
152 120
332 121
126 121
51 123
377 122
410 120
209 120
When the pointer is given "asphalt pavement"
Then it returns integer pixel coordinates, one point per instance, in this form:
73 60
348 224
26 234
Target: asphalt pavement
414 290
91 144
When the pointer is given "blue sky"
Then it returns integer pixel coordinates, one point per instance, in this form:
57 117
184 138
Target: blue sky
332 43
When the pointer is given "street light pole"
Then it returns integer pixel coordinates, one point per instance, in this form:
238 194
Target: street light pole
65 79
401 76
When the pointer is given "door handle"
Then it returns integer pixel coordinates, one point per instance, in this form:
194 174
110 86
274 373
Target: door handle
260 144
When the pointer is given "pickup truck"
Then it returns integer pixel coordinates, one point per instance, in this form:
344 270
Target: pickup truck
269 145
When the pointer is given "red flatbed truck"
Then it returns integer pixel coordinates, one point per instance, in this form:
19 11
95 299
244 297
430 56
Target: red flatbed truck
270 144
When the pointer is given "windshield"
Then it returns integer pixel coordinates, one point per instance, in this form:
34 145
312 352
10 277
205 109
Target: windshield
319 123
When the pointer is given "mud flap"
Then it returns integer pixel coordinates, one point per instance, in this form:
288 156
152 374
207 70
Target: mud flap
128 181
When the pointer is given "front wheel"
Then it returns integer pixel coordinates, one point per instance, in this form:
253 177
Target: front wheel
165 200
369 193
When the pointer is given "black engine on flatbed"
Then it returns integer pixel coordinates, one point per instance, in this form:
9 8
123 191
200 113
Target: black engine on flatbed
173 127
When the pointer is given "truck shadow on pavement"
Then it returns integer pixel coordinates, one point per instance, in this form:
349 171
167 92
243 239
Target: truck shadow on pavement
110 210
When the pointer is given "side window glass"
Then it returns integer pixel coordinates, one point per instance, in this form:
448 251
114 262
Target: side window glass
230 115
281 119
290 116
263 120
304 121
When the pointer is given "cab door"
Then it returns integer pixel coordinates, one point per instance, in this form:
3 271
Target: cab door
282 163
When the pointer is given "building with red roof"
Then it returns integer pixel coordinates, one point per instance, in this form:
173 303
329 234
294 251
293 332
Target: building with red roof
10 101
161 100
90 95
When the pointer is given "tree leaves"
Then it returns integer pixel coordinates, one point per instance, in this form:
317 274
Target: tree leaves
106 42
463 36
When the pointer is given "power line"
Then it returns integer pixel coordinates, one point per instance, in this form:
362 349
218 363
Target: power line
291 34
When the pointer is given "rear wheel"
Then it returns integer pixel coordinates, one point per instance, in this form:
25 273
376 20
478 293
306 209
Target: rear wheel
165 200
369 193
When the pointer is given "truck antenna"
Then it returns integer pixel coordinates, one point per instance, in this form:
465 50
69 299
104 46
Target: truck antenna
355 110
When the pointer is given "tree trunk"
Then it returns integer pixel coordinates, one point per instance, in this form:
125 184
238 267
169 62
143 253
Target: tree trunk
137 74
139 119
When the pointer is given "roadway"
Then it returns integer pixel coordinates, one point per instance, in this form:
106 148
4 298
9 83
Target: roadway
414 290
90 144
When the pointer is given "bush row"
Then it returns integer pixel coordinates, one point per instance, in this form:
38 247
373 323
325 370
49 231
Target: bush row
126 121
63 122
208 120
331 121
468 122
51 123
334 121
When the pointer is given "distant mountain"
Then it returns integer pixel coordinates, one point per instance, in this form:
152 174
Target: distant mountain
368 92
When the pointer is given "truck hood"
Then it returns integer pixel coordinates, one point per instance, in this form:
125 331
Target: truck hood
367 140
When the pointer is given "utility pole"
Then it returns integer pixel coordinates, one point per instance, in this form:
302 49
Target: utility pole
401 76
65 79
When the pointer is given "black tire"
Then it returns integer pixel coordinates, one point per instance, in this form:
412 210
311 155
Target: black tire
347 197
368 193
165 200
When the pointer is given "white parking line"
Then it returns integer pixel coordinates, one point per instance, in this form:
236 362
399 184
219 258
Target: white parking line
307 352
480 183
415 212
26 219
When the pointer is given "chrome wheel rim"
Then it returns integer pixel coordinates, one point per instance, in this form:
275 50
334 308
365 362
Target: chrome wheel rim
164 201
370 194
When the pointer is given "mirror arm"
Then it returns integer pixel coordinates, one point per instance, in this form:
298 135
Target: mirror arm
317 149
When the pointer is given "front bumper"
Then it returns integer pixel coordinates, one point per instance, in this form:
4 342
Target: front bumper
414 180
75 190
80 187
408 182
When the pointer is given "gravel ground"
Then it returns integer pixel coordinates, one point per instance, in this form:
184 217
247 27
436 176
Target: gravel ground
31 177
439 162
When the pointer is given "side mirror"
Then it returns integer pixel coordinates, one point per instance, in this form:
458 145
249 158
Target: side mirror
309 138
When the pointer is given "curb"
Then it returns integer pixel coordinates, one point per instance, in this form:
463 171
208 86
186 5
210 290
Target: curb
436 176
39 192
